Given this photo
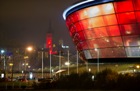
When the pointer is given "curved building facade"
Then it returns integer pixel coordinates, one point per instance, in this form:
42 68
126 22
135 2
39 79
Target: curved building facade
105 28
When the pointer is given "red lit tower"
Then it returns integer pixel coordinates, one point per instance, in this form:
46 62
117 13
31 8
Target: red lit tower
49 41
49 44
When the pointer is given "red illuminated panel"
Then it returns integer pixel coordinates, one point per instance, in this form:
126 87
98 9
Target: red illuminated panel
129 29
75 39
85 24
92 43
138 16
72 30
125 18
79 36
90 34
101 32
74 17
79 26
104 42
82 45
110 19
113 31
68 22
123 6
136 4
116 41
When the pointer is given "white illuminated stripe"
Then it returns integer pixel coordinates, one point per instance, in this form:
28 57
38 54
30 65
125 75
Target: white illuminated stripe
65 12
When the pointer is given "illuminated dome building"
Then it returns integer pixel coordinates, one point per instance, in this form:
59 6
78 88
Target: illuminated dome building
105 28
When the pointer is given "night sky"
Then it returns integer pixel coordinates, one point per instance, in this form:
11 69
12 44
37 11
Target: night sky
28 21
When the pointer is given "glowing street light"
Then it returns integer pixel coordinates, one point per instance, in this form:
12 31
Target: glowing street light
29 49
137 66
2 51
2 54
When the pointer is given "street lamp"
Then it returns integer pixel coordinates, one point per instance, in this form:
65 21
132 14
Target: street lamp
98 56
29 49
11 65
2 54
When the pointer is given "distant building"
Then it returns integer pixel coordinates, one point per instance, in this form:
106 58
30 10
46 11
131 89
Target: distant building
105 28
49 44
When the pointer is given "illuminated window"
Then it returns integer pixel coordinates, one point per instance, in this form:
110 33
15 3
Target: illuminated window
96 22
101 32
89 34
129 29
107 8
73 30
94 11
68 22
125 18
136 4
82 45
74 17
113 31
138 16
83 14
104 42
81 36
79 26
91 43
110 19
123 6
76 39
116 41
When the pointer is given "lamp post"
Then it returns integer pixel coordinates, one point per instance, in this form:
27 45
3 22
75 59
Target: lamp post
3 56
11 65
59 62
42 64
50 65
68 64
77 61
98 56
67 47
29 49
